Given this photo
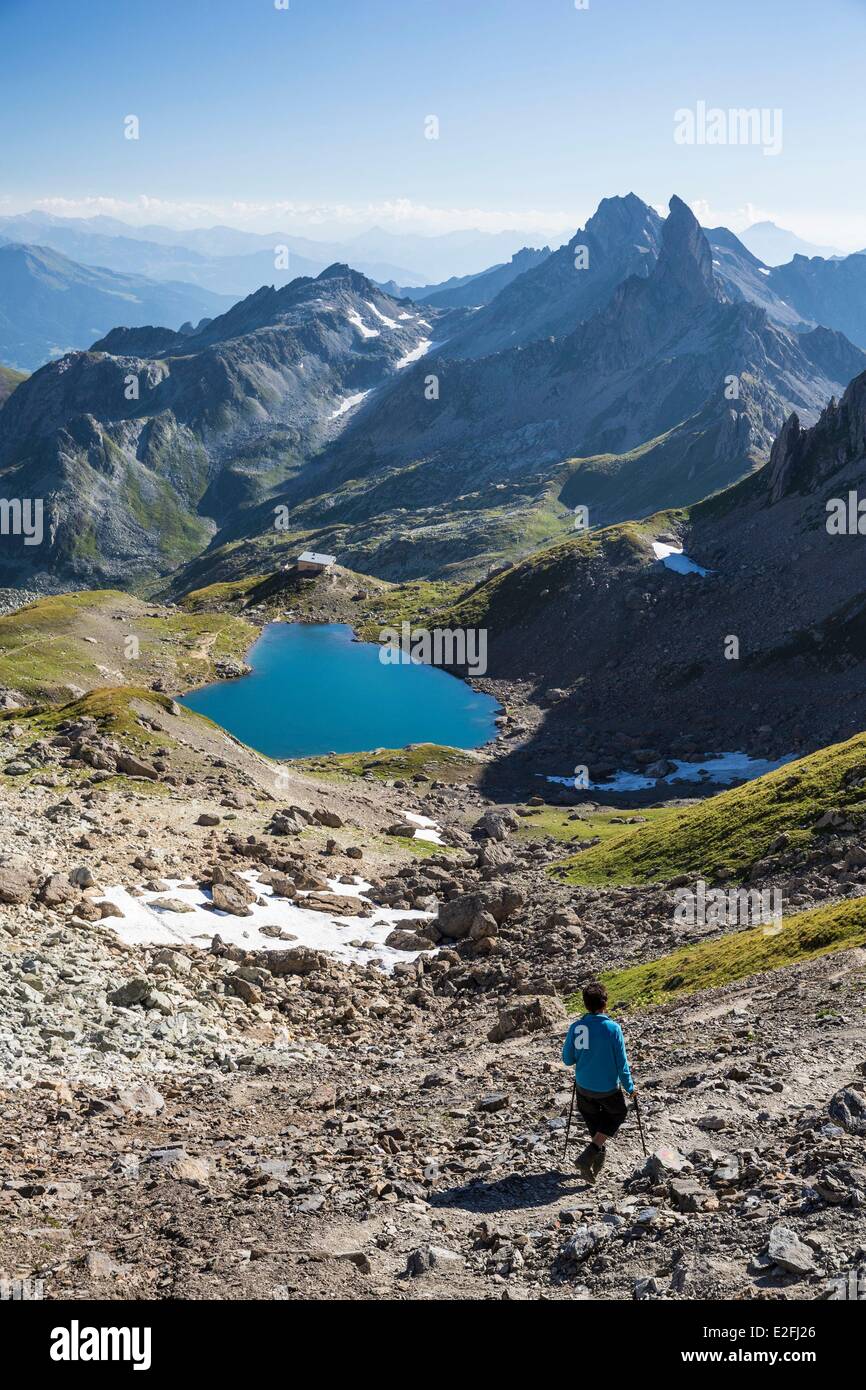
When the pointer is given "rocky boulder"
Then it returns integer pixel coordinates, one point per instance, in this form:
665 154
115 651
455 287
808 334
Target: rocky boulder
484 926
56 890
402 939
789 1252
848 1109
530 1015
135 991
494 855
456 917
585 1242
141 1099
337 905
296 960
230 892
228 899
433 1258
495 825
18 879
135 767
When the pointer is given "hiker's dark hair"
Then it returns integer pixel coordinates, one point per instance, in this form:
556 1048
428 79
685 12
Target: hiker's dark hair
594 997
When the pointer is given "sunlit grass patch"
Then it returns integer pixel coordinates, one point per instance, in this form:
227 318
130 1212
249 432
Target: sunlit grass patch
563 823
725 835
432 761
737 956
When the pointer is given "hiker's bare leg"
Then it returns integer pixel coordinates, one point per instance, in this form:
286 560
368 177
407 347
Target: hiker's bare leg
599 1139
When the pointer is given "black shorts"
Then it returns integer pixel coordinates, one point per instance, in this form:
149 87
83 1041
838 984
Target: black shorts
603 1114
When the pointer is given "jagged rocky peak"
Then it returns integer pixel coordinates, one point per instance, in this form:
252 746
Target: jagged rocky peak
685 263
801 458
189 328
263 308
149 341
342 273
785 457
269 306
529 256
288 362
623 219
851 414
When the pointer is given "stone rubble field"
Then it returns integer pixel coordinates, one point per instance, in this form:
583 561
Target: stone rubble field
215 1120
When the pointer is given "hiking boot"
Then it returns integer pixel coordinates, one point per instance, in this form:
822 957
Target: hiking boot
589 1162
597 1161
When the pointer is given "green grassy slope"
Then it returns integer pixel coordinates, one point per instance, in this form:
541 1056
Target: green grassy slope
726 834
513 597
550 821
424 760
736 956
9 379
79 640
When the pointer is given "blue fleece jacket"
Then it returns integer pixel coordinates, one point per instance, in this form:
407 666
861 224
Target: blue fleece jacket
595 1047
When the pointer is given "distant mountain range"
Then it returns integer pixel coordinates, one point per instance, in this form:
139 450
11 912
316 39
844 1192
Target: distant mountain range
659 373
643 365
774 245
471 291
50 305
146 444
455 269
227 261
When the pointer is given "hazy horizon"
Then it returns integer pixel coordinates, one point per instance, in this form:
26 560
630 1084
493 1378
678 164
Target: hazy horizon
254 117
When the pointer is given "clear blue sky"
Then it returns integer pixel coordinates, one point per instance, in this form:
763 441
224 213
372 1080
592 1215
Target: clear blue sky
543 108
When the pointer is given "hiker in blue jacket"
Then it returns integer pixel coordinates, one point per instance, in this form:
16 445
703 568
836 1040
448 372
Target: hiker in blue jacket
595 1047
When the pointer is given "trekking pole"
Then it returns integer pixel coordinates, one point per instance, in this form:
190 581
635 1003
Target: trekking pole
568 1126
640 1125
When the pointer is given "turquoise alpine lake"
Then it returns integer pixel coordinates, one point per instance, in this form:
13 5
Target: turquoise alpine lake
314 689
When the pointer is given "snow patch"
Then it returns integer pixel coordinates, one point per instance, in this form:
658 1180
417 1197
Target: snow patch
145 925
390 322
672 558
428 829
349 404
362 328
426 345
726 768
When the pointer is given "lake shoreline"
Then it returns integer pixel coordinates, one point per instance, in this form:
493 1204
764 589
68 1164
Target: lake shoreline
536 736
305 691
